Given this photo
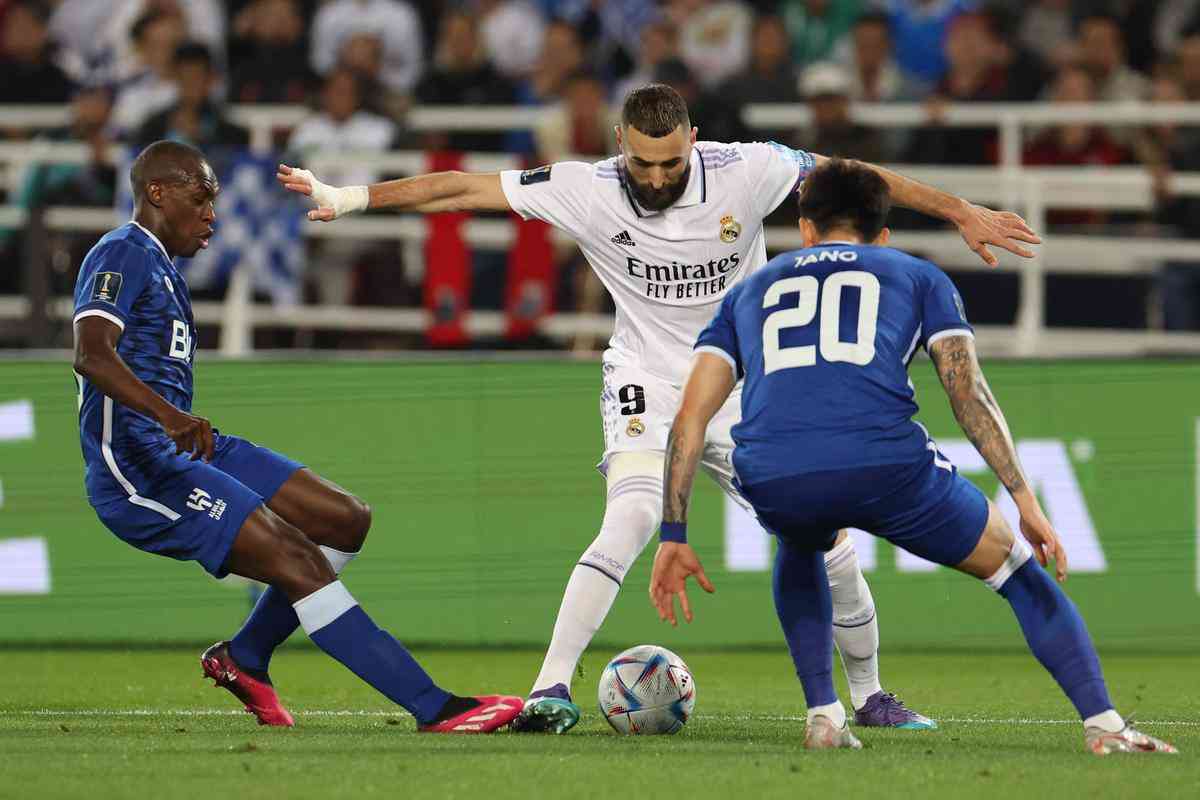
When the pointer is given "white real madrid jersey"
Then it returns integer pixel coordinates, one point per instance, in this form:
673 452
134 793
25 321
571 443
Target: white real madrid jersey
666 270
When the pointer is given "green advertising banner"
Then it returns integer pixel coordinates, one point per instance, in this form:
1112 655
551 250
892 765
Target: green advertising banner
482 481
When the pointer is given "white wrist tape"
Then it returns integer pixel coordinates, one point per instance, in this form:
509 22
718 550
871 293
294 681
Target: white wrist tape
343 200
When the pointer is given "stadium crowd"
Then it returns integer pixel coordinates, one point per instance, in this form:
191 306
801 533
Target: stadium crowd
134 71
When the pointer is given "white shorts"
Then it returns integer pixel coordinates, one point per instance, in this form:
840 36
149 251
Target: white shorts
637 409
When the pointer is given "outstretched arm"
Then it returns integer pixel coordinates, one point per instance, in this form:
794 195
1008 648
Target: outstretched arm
707 388
437 191
979 226
980 417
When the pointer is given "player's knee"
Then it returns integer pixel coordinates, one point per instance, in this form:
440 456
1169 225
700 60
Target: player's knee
302 568
996 545
357 515
630 518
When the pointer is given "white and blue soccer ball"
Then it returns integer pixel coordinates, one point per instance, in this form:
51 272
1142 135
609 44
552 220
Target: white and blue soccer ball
647 690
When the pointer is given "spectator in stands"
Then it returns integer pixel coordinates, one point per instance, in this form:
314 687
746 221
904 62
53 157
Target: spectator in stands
513 34
203 21
875 76
580 126
562 56
832 132
1187 62
1046 29
394 22
714 37
919 29
30 74
271 63
1102 53
1174 21
817 27
976 74
343 124
194 118
769 79
612 29
462 76
90 184
1161 147
74 24
659 42
1079 144
1025 71
151 86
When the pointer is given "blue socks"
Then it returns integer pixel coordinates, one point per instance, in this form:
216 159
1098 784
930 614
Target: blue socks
335 622
1057 636
805 610
273 620
268 626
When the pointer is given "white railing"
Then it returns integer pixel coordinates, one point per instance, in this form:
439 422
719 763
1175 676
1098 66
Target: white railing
1031 190
1012 120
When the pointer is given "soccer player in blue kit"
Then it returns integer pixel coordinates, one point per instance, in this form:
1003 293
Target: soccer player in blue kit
822 338
165 481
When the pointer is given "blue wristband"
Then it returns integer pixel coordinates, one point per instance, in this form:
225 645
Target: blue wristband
673 532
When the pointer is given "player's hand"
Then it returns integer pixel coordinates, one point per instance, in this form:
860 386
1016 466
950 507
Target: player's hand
332 201
1046 544
673 564
981 227
190 433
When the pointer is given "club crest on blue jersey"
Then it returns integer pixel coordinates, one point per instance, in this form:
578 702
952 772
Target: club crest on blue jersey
539 175
106 287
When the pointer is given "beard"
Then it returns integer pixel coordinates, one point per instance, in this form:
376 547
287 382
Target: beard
653 199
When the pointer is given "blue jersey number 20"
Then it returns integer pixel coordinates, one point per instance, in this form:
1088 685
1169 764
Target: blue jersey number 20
860 351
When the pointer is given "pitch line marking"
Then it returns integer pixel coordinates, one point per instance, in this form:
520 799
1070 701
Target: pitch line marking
221 712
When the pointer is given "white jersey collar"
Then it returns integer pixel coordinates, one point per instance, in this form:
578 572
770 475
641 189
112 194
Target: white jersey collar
695 193
153 238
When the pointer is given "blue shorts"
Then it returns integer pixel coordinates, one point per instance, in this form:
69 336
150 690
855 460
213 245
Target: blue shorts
192 510
926 507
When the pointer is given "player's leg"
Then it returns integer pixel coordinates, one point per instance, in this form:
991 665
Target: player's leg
636 409
963 529
326 514
632 512
804 605
270 550
855 625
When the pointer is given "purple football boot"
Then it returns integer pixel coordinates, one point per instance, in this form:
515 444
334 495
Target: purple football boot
884 710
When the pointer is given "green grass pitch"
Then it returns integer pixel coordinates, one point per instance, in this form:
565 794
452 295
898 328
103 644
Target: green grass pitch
141 724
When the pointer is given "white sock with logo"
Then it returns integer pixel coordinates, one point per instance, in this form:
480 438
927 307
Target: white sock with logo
855 628
632 514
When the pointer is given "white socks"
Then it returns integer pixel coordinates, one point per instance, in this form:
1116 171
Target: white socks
336 558
632 513
1108 721
855 629
836 712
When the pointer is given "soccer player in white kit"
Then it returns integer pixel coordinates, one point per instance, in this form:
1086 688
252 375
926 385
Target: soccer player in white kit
669 225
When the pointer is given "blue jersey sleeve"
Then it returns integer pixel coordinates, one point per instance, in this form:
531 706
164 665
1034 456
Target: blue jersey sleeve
112 278
720 337
942 312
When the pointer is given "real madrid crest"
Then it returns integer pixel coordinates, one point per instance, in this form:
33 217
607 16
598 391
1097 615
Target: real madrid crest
635 427
731 229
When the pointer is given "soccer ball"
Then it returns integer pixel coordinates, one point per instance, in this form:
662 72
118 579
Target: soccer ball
647 690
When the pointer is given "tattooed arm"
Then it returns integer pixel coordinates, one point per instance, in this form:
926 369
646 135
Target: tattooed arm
976 409
981 419
707 388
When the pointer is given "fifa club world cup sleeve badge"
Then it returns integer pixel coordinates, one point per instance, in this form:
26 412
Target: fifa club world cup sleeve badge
107 286
539 175
731 229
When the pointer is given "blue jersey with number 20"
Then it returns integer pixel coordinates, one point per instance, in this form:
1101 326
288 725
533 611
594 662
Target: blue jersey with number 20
823 338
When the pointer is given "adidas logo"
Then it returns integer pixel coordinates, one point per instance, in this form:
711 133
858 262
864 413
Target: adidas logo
623 238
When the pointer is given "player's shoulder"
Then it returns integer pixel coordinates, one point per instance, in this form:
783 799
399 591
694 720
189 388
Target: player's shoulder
125 244
719 155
